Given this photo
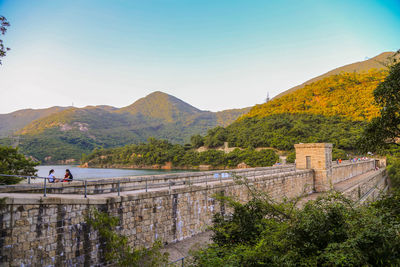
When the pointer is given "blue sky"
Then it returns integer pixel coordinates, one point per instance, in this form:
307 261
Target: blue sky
212 54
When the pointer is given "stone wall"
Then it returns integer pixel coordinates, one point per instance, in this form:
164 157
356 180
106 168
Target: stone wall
370 189
42 231
346 170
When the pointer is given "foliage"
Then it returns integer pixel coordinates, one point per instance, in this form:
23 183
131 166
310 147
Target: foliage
339 154
117 249
282 131
4 24
14 163
385 129
393 170
161 151
331 231
197 140
346 94
291 157
215 137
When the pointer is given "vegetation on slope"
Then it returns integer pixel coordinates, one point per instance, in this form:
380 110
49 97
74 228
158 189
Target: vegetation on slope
378 62
161 106
282 131
347 94
159 152
9 123
69 133
334 109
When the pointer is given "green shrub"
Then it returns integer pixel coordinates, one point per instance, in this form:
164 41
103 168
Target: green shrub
291 157
14 163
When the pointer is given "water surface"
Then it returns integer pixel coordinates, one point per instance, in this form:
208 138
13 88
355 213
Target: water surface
93 173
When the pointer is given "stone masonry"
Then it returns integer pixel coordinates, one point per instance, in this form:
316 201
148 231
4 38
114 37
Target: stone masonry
316 156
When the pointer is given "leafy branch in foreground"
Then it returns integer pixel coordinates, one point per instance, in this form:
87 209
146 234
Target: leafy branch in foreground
14 163
117 249
4 24
384 130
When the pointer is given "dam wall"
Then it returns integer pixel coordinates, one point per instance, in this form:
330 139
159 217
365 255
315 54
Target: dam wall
52 231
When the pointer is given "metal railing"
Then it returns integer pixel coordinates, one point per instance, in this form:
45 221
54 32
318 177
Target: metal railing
45 179
90 186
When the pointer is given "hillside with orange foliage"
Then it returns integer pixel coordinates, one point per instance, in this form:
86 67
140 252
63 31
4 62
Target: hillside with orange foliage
347 95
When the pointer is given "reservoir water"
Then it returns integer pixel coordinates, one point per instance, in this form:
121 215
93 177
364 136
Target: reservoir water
97 173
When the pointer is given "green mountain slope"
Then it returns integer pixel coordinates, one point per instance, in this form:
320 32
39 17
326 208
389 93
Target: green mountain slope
164 107
9 123
332 109
70 132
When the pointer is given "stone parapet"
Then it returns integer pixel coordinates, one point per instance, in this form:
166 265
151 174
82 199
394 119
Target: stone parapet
346 170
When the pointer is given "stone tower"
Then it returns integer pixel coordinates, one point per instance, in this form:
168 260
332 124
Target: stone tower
318 157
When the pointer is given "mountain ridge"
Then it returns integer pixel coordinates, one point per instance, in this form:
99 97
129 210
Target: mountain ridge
359 66
80 130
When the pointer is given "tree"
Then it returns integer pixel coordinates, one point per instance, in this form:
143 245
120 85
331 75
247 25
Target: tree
197 141
4 24
215 137
385 129
14 163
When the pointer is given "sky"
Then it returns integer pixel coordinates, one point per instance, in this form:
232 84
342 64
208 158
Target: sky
215 55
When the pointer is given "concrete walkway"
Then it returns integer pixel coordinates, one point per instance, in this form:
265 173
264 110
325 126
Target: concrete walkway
182 248
346 184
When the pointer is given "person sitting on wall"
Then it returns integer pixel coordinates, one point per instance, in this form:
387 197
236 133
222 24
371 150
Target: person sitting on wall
68 176
51 177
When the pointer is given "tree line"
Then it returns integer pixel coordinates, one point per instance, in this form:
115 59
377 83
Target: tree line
160 152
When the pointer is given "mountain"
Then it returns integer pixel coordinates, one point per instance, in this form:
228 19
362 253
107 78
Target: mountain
9 123
332 108
347 95
164 107
69 132
376 62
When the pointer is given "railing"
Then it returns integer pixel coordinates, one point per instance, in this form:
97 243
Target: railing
29 178
90 186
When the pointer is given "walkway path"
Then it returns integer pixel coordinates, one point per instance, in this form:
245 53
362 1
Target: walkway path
341 187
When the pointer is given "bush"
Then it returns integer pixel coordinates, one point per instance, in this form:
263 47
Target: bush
330 231
394 172
14 163
339 154
291 157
